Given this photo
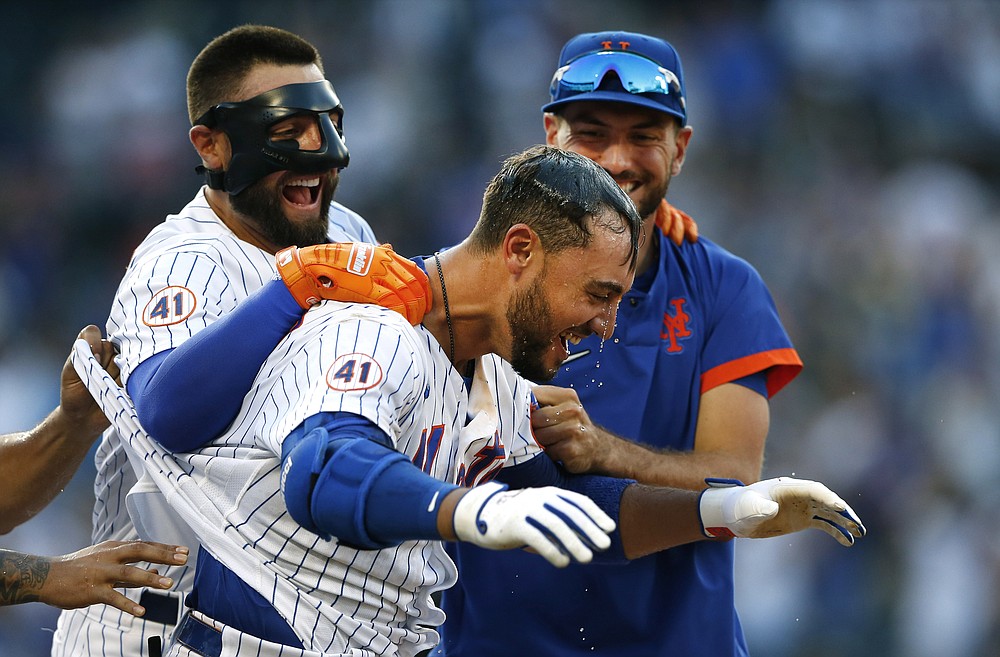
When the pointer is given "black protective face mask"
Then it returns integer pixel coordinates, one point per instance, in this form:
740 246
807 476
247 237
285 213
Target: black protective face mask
255 155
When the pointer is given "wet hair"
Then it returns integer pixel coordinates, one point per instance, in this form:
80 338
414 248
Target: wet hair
220 69
561 195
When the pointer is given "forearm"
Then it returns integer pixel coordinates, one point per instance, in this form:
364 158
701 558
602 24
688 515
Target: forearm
687 470
21 577
36 465
653 519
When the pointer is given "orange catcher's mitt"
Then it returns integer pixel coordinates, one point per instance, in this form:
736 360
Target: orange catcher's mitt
355 272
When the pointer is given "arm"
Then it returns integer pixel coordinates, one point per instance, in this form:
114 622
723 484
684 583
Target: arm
733 422
186 396
651 518
36 465
87 577
341 478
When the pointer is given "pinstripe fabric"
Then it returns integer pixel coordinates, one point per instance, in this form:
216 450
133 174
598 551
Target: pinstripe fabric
341 601
192 249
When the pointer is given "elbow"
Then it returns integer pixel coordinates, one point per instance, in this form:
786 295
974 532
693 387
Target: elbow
167 426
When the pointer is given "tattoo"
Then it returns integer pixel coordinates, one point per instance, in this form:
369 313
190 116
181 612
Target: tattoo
21 577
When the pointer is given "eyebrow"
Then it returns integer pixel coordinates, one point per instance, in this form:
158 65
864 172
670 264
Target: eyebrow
590 118
607 286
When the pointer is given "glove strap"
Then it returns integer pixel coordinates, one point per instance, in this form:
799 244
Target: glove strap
710 508
294 275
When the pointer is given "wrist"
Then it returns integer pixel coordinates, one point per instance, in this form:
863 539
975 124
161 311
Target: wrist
446 514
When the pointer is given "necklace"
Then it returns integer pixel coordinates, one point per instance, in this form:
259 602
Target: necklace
447 310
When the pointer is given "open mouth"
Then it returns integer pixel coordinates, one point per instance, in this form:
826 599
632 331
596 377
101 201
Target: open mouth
303 192
566 338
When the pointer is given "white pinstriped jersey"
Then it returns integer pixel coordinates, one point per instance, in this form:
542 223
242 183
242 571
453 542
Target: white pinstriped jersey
369 361
200 263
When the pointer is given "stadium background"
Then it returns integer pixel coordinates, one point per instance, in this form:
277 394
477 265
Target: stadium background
850 150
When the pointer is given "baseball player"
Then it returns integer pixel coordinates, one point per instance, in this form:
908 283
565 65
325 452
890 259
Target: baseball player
364 440
698 350
266 125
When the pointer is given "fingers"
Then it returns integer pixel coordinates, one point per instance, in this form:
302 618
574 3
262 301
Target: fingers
555 395
539 537
574 527
171 555
93 336
130 576
119 601
833 529
844 526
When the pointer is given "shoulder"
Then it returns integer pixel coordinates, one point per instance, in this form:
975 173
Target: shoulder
348 225
711 262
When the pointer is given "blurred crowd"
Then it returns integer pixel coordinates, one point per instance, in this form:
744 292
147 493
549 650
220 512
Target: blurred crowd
849 150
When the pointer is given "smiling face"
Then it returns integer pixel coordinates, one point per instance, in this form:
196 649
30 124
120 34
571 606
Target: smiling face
283 208
641 148
575 295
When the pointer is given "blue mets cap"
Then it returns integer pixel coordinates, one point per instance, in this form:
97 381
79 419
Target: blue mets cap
647 72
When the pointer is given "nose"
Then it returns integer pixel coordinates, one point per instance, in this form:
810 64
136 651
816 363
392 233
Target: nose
311 139
615 158
604 324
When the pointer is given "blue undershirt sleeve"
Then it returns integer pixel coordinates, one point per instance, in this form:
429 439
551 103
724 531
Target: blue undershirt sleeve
186 396
606 492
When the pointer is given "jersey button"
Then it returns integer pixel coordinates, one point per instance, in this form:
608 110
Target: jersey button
633 302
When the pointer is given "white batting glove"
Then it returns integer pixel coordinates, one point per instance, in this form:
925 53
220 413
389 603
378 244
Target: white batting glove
776 507
558 524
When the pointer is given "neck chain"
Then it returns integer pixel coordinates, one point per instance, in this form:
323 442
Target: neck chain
447 310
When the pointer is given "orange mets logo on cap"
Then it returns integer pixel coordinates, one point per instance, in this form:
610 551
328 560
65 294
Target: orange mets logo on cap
171 305
621 44
361 259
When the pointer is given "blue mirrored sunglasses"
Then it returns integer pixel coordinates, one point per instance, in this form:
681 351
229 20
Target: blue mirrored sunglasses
637 74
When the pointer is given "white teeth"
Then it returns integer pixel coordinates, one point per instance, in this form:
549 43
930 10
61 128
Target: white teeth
312 182
628 187
570 337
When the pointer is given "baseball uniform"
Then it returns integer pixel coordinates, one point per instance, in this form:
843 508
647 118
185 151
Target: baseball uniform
189 271
370 362
701 318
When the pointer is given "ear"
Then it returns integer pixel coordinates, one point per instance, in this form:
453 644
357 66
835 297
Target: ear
212 146
522 250
551 122
681 140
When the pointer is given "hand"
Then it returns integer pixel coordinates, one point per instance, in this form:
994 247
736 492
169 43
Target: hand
75 400
675 224
558 524
776 507
356 272
561 425
91 575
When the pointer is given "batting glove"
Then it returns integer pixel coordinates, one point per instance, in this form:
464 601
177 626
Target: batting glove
355 272
558 524
776 507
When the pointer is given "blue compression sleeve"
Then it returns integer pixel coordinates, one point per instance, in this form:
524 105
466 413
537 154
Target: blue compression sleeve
186 396
606 492
341 477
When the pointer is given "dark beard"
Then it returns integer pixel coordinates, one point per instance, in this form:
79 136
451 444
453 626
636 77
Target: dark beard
262 205
529 318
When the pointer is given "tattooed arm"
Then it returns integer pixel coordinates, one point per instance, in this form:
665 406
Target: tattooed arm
87 577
